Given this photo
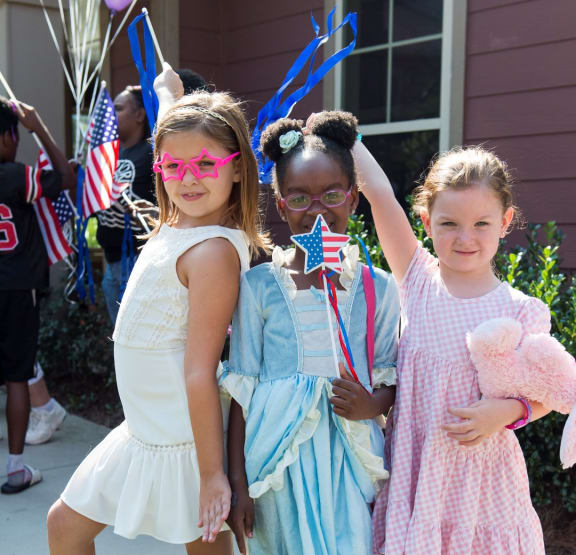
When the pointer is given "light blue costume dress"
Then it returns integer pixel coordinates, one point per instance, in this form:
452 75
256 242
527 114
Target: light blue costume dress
312 473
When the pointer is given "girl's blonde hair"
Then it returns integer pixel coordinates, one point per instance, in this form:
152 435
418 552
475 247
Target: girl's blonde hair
221 118
461 168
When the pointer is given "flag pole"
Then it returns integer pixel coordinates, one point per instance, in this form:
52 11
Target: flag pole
136 213
332 339
153 34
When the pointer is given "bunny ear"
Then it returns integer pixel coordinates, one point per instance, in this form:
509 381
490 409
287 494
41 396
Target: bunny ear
568 444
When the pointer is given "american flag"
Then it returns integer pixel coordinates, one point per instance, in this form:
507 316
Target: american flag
52 216
100 189
322 247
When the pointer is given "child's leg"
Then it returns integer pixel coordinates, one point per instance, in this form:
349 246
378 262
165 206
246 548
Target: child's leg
222 546
17 413
69 532
39 394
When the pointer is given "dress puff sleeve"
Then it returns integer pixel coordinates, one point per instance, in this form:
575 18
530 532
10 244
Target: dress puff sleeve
420 270
240 373
535 316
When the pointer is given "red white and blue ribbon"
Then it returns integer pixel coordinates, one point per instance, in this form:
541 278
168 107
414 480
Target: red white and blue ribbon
322 249
342 335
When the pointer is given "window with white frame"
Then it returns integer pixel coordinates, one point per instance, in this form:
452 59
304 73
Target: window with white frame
393 81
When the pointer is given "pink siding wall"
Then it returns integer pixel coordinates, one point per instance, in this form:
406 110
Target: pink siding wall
243 47
122 69
520 98
246 48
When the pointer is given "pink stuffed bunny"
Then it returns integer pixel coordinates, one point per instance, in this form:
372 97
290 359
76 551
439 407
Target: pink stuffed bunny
539 369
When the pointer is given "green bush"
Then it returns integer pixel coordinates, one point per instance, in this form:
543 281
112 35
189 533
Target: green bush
75 338
535 270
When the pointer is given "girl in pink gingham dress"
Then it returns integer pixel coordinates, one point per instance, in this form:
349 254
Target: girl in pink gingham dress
458 480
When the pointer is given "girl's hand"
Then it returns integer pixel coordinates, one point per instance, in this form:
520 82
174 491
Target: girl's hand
241 519
215 497
482 419
168 83
351 400
169 89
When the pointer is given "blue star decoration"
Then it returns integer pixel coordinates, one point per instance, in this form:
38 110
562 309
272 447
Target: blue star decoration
322 247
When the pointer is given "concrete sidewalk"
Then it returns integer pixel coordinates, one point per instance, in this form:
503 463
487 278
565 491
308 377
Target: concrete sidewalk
23 516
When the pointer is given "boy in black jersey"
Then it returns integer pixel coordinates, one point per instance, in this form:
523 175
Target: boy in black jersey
23 270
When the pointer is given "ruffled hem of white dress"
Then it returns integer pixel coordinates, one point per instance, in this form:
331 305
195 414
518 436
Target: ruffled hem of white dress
139 488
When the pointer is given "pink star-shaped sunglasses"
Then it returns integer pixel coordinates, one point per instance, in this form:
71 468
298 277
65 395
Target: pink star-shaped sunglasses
204 165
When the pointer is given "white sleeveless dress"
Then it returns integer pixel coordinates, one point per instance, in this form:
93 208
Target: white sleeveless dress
143 477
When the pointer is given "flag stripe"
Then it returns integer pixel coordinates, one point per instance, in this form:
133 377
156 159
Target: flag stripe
38 184
99 186
57 246
47 242
92 193
42 209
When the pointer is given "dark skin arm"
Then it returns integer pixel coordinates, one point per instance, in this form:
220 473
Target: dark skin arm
30 119
352 401
241 518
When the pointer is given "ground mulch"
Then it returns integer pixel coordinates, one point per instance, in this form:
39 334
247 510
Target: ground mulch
559 529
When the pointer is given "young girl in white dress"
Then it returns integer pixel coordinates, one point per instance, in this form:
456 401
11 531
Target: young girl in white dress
161 472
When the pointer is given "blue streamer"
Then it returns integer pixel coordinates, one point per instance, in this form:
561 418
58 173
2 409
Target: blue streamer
146 69
84 267
127 254
367 255
275 108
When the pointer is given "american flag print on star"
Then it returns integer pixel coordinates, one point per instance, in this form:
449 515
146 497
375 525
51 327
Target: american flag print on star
322 247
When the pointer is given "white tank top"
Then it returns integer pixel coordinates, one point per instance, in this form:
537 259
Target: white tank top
154 309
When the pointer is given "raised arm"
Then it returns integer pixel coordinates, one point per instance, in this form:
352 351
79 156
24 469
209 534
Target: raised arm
393 227
31 120
211 271
169 89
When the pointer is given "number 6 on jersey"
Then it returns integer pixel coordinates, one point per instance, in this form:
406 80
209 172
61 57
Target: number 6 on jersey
8 236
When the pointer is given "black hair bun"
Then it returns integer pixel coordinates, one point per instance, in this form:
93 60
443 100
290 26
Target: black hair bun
340 127
270 139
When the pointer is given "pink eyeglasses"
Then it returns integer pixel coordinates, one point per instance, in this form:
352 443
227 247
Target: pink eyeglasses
298 202
204 165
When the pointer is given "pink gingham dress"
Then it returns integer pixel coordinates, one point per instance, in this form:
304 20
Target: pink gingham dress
443 498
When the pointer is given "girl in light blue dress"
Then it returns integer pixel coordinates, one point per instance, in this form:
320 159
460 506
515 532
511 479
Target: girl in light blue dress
305 455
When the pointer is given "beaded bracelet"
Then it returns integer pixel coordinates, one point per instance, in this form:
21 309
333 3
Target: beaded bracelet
527 416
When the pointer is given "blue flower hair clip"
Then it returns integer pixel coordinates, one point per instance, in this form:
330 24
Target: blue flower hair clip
289 140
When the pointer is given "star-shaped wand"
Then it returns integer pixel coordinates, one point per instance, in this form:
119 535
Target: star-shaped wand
322 248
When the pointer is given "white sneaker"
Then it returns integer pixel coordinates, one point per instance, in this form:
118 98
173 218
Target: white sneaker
43 424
